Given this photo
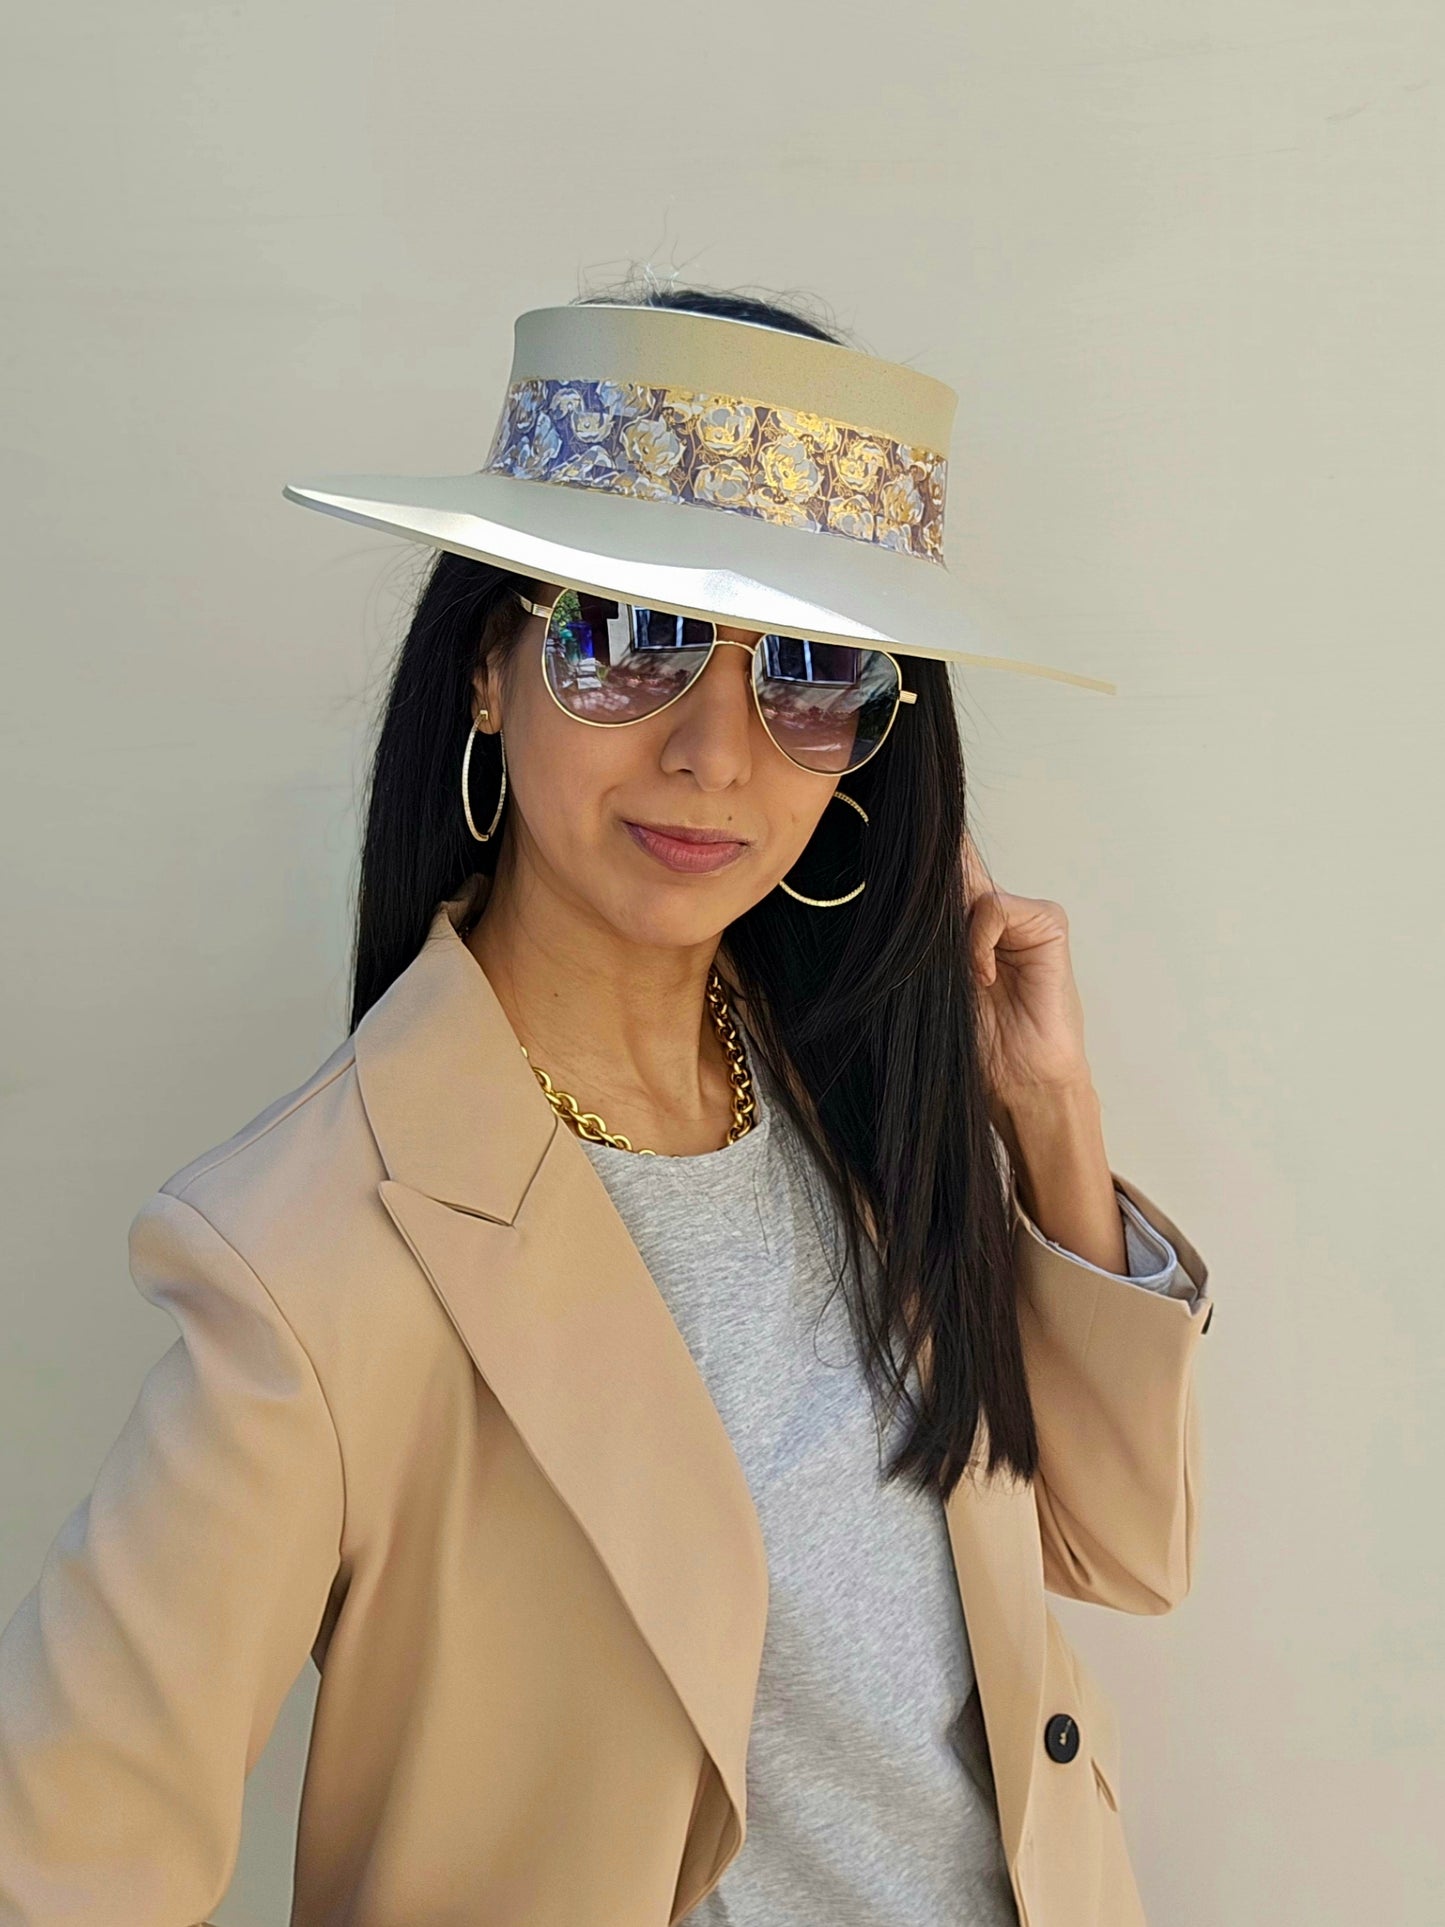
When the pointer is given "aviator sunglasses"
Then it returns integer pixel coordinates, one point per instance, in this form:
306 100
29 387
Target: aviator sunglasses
826 705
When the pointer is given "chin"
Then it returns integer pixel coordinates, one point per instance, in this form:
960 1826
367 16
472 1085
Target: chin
660 919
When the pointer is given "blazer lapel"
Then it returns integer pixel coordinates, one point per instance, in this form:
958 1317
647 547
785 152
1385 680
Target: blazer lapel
504 1213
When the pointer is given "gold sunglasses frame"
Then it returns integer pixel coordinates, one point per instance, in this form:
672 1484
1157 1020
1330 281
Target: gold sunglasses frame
544 610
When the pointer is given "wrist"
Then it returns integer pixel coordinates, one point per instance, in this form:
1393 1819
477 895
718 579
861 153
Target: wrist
1054 1129
1065 1101
1055 1142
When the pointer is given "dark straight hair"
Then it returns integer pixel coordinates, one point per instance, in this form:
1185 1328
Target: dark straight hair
868 1007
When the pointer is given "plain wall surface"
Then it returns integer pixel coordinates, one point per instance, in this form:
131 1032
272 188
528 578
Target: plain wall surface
1184 265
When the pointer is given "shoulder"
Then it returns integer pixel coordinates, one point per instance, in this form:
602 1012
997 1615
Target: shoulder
265 1138
294 1191
278 1259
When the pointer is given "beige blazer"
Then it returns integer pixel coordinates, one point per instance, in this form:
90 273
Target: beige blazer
429 1421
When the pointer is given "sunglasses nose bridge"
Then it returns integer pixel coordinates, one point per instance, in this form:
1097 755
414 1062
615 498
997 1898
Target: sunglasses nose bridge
721 642
752 649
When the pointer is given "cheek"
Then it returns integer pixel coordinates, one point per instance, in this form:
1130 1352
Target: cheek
801 805
566 775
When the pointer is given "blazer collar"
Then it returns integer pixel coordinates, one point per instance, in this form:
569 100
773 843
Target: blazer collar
516 1233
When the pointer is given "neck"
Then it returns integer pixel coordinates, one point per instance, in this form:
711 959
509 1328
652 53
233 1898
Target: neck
621 1026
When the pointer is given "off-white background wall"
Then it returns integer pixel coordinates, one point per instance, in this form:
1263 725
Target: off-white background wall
1184 264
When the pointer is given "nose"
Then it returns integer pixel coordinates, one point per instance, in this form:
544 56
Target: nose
713 722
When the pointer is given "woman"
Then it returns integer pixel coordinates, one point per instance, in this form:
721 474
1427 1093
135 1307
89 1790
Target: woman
657 1363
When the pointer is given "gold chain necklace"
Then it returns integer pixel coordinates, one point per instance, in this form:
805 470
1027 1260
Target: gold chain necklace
589 1125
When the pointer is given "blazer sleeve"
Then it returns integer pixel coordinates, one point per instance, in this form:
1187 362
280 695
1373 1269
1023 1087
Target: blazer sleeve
1111 1376
141 1676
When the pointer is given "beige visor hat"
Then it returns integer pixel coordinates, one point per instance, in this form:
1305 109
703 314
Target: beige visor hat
713 468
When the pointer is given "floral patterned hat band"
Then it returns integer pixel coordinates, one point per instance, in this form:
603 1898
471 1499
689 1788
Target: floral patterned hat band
737 453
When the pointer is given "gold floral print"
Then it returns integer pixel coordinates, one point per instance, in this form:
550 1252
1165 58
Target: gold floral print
724 452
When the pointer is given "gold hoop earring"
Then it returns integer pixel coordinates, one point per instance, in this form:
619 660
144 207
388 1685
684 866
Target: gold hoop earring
482 836
829 903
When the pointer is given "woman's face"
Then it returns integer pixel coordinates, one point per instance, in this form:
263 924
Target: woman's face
703 763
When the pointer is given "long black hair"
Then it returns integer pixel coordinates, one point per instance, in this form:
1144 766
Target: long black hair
869 1007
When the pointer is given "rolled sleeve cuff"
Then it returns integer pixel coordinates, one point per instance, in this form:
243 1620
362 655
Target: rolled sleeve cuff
1153 1261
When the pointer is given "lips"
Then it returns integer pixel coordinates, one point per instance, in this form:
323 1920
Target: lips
689 851
683 833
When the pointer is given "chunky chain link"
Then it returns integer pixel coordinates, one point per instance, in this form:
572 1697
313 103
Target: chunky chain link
589 1125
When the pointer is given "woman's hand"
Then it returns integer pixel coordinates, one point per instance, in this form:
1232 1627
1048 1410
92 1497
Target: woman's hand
1030 1014
1041 1092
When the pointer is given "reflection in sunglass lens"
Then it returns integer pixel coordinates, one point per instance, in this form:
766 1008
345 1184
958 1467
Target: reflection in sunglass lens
611 662
826 704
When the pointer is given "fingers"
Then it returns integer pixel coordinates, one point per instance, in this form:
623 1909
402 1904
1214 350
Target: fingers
987 914
986 924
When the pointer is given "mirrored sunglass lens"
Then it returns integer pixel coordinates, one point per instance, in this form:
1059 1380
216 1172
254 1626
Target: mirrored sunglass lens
611 662
827 704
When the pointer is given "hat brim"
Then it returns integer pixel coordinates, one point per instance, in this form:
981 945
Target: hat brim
693 560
